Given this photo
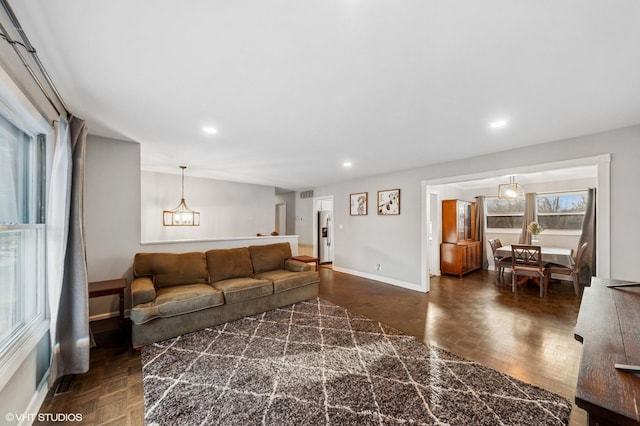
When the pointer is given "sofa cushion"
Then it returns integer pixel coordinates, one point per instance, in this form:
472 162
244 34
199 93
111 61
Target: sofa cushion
240 289
224 264
142 291
177 300
296 266
269 257
171 269
286 280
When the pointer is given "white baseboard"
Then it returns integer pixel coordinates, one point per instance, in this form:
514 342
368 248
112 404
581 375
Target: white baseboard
36 402
392 281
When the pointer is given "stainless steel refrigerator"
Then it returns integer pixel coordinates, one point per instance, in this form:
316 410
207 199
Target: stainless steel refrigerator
325 236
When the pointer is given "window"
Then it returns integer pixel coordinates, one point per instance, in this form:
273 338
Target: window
22 231
561 211
503 213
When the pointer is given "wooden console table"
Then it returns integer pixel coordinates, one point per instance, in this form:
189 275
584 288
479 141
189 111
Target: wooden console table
107 288
609 329
307 259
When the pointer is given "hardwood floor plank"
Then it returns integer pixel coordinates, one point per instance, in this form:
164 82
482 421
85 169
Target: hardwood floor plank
475 317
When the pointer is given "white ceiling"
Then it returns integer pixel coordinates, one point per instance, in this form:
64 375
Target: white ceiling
295 88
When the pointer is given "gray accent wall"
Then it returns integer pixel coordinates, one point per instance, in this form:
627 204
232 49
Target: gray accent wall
395 242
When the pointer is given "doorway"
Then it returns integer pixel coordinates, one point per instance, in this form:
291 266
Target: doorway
281 219
433 233
601 165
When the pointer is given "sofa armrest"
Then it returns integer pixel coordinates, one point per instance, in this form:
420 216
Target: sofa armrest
142 291
296 266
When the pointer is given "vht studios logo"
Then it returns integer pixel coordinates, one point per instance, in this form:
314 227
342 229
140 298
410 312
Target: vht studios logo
44 417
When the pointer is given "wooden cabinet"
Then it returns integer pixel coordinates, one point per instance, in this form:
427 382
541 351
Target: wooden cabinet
458 221
460 258
460 252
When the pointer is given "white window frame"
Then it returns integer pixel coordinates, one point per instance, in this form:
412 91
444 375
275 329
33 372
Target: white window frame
17 108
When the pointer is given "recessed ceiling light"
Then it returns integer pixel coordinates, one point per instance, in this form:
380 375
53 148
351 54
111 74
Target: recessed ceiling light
210 130
347 164
498 124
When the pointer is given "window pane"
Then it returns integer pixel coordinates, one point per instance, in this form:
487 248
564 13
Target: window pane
9 247
505 206
21 189
562 211
504 213
504 222
563 203
21 272
562 221
22 230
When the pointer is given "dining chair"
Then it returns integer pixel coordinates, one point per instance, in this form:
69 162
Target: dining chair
499 262
573 272
526 260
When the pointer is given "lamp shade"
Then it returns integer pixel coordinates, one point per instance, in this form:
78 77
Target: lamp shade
182 215
511 189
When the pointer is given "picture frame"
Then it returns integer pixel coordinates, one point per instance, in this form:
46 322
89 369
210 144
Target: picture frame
358 204
389 202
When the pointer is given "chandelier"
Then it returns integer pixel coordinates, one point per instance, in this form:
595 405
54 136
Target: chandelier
511 189
181 215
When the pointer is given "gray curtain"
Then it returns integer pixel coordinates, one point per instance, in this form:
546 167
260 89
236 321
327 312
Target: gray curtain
588 267
72 329
529 216
480 230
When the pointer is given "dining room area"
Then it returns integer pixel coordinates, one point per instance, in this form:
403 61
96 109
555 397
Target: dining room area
536 230
538 264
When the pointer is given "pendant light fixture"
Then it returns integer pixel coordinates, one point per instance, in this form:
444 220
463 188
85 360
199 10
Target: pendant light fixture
511 189
181 215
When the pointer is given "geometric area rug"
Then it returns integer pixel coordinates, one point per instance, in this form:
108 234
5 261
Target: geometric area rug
315 363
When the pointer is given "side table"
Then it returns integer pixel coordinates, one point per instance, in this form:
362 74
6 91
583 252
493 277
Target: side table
307 259
107 288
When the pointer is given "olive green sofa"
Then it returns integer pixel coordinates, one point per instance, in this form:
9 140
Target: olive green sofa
177 293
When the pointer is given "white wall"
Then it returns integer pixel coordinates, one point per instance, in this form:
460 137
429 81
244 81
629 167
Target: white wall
112 206
112 213
395 241
363 242
113 209
304 213
227 209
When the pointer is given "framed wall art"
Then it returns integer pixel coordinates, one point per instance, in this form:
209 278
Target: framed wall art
358 203
389 202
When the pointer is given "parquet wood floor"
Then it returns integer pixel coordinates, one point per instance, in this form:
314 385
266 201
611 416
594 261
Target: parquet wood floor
520 334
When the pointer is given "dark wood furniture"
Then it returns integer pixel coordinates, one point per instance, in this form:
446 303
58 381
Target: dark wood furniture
460 251
573 272
108 288
307 259
499 261
526 260
608 327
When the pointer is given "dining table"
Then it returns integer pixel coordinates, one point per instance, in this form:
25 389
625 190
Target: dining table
558 255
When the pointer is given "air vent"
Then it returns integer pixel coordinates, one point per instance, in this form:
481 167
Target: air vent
306 194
